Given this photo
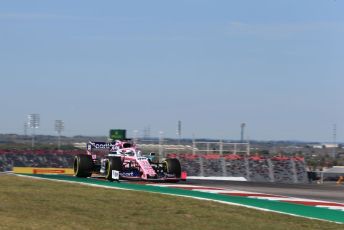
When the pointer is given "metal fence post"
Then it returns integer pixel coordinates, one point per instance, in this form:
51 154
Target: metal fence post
271 171
201 165
293 168
247 166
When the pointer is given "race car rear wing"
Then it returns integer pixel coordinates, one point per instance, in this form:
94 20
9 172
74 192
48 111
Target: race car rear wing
100 145
107 145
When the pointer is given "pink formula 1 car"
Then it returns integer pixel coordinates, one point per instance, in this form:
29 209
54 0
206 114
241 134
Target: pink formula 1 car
124 161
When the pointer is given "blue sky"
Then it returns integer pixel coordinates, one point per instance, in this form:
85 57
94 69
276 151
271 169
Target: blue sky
276 65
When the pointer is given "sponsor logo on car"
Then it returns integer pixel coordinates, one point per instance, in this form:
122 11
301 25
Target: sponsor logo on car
128 174
101 145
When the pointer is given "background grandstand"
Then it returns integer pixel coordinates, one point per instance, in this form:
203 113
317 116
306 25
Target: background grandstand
199 158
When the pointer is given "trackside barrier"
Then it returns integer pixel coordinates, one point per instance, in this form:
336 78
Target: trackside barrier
253 168
33 170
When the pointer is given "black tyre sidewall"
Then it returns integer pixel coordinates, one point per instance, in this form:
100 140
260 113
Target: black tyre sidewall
173 167
83 165
113 163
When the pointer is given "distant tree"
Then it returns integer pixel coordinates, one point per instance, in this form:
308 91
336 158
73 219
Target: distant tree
263 152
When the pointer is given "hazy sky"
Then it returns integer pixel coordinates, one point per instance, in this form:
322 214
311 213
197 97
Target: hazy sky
276 65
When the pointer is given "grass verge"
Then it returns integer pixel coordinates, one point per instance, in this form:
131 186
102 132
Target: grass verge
36 204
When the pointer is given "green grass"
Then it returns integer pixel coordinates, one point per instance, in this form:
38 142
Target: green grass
36 204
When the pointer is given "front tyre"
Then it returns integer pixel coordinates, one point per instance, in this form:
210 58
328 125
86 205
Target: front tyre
172 166
113 163
83 165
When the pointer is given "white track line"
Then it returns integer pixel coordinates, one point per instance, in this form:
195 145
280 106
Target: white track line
256 195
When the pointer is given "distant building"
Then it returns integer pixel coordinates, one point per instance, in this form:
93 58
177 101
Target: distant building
326 146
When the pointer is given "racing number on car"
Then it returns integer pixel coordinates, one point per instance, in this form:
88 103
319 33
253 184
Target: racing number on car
115 174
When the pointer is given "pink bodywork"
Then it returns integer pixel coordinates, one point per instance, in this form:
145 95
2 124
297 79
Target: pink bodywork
143 163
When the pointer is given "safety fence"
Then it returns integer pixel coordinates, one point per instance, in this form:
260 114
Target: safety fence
253 168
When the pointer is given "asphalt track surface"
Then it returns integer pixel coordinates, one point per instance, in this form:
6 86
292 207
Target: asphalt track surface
327 192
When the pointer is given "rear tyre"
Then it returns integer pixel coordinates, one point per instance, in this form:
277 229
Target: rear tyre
172 166
83 165
113 163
